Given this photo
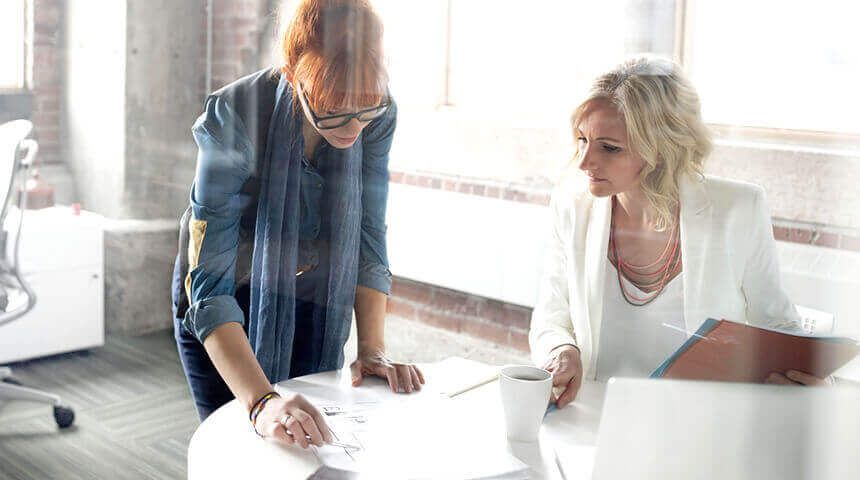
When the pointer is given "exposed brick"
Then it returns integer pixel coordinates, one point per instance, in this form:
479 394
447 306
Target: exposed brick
396 177
436 183
800 235
47 135
224 70
539 199
45 57
450 186
848 242
48 104
479 190
45 13
410 179
449 301
45 119
485 331
494 311
401 309
424 181
248 23
412 291
827 240
519 340
439 320
464 187
509 194
780 233
493 192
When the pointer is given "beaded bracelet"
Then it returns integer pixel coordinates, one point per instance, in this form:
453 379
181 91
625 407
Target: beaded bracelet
258 407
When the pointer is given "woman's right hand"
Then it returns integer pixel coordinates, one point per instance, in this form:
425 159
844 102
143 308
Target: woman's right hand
566 368
290 418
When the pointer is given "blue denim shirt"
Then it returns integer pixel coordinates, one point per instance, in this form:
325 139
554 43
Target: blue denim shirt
224 163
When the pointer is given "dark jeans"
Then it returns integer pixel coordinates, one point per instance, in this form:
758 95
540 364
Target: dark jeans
208 389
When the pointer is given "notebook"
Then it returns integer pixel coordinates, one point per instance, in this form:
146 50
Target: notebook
723 350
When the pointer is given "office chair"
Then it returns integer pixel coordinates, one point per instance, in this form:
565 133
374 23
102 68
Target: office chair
16 297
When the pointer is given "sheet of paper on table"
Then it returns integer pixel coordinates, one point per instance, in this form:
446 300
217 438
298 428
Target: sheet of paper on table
426 437
456 374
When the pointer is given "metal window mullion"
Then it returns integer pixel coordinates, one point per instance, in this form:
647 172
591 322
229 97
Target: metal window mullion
26 40
682 32
446 95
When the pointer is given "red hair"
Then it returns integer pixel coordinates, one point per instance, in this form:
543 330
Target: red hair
334 49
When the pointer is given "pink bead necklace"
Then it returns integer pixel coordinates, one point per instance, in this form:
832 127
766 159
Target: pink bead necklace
646 277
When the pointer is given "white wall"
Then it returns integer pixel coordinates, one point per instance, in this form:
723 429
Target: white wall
95 100
473 244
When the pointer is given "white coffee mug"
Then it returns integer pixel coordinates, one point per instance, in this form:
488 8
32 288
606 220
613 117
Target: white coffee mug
525 396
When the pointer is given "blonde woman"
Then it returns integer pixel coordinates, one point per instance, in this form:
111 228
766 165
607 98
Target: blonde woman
651 247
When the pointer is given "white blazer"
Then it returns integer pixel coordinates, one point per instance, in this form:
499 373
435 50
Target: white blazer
729 262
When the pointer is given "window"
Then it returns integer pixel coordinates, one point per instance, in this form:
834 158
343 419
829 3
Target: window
12 44
776 64
486 88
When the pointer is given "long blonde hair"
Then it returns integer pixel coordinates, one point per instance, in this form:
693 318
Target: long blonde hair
664 126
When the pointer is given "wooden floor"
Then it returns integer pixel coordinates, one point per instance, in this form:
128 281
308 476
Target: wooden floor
134 415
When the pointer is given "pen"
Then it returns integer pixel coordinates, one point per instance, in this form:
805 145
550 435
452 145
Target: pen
334 443
472 387
344 445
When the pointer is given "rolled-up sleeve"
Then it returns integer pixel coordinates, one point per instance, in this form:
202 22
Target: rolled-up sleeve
224 163
373 269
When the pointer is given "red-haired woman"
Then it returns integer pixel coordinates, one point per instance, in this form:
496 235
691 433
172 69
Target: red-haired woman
285 234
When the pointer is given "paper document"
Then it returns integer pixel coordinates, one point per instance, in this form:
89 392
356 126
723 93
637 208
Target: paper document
405 436
346 422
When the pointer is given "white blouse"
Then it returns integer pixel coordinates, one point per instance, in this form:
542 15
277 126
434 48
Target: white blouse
730 267
634 340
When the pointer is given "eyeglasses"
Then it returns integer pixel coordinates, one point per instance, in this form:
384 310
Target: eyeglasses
335 121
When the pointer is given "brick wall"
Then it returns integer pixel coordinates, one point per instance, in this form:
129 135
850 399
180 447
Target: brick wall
237 26
501 323
237 29
48 54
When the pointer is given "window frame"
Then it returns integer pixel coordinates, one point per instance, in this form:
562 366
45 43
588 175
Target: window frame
24 51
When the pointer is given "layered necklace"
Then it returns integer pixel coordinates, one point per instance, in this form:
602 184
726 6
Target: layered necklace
647 278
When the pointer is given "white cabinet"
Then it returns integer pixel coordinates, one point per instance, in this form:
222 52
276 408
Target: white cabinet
62 257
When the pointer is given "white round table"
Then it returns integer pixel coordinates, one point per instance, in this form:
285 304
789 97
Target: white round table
225 446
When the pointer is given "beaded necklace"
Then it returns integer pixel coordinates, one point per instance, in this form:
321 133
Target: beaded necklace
646 277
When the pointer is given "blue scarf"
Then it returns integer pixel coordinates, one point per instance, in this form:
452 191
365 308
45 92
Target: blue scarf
271 326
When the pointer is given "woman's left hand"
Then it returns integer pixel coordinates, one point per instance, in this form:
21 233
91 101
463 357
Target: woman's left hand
794 377
402 378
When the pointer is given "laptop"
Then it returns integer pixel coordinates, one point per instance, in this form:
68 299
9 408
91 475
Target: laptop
678 429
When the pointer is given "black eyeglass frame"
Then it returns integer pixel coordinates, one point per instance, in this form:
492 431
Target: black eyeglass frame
382 108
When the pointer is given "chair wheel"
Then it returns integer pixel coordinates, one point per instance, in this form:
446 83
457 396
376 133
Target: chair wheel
12 381
64 416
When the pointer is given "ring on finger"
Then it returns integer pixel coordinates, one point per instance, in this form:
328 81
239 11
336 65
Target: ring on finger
286 418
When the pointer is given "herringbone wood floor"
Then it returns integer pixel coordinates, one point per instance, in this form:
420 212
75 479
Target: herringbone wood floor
134 415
